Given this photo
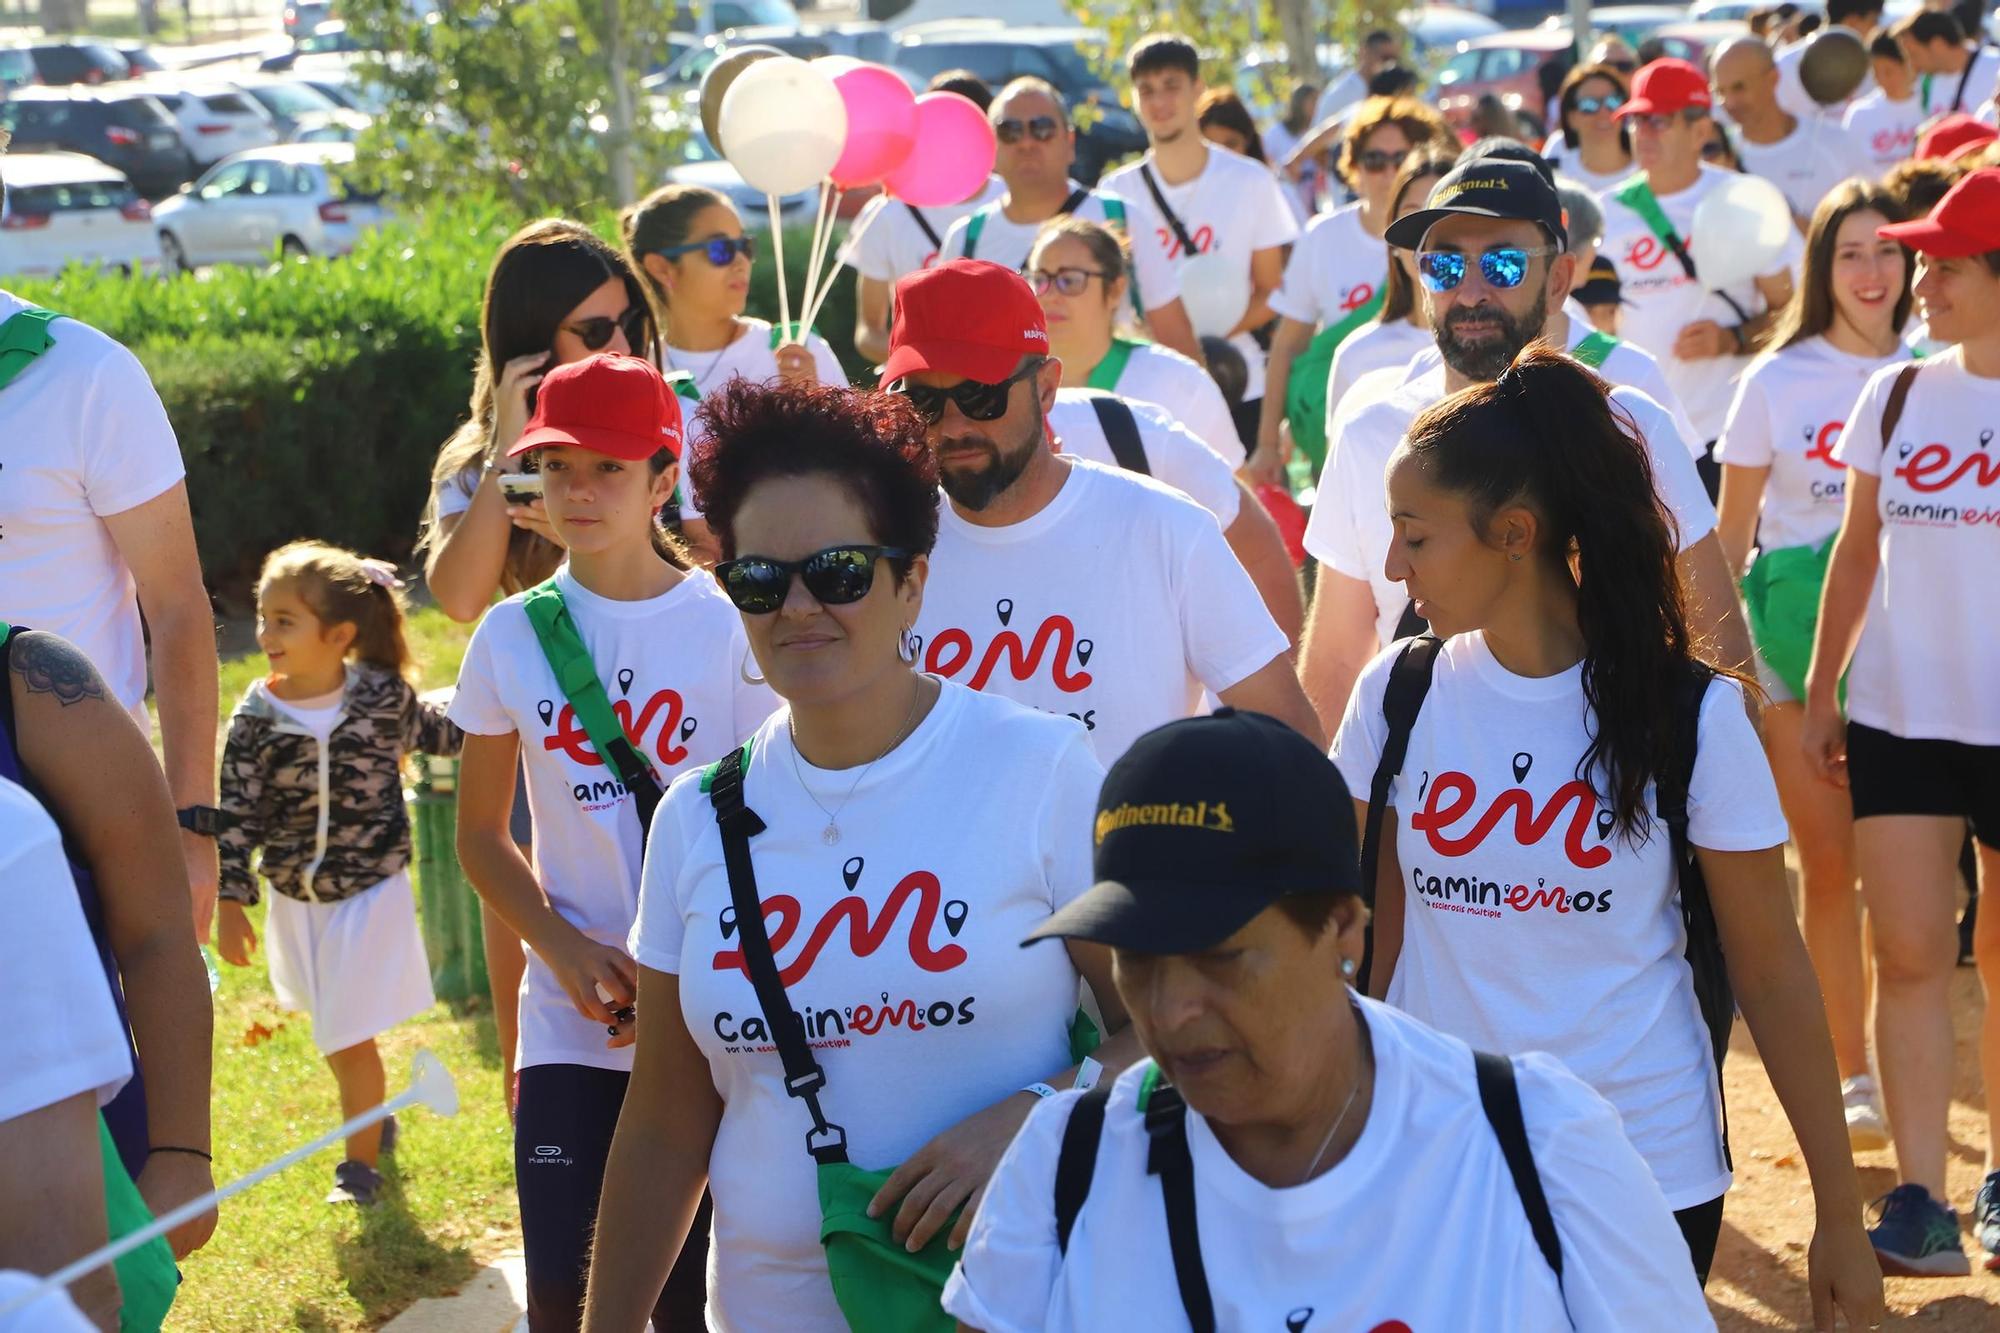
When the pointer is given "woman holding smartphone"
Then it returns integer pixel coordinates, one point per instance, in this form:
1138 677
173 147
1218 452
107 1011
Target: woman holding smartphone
557 293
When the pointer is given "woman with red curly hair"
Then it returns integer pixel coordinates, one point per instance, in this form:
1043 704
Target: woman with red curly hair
898 835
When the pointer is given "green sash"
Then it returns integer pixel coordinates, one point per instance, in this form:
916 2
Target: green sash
1305 394
24 337
1596 345
1107 372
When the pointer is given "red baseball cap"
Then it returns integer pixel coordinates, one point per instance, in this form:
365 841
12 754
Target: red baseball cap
1953 135
1965 222
965 317
610 404
1665 86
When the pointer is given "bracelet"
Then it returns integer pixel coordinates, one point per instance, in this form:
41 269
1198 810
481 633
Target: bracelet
1742 340
191 1152
1042 1090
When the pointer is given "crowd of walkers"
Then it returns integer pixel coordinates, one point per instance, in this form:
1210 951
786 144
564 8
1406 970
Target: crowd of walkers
1399 705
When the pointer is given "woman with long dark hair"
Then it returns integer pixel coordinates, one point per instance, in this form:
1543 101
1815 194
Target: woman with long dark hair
1591 146
1781 490
1529 891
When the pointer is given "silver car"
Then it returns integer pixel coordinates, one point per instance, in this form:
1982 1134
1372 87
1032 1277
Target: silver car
286 201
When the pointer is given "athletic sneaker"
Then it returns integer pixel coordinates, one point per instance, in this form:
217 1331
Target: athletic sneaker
1986 1220
1867 1130
1916 1236
389 1131
355 1182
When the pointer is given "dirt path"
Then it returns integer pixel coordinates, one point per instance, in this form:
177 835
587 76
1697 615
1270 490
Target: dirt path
1760 1267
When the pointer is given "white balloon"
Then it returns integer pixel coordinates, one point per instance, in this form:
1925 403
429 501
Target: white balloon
1740 228
1215 288
783 125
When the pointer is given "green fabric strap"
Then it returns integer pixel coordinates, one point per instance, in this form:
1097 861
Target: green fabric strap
1148 1082
576 674
1305 393
1636 194
683 385
24 337
147 1278
975 225
1107 372
1114 217
1596 345
708 774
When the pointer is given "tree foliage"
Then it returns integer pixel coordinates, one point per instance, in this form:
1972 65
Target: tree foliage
1228 32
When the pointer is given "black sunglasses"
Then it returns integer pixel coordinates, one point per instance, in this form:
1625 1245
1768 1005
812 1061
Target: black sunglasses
720 251
1380 159
595 333
758 585
1623 66
1044 128
976 401
1716 150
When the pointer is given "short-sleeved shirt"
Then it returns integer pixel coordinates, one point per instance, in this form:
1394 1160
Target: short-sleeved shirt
751 356
1174 455
1881 131
1007 242
1372 347
887 242
1186 392
90 441
1335 269
1807 163
1117 604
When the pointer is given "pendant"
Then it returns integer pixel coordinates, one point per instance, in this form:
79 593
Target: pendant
830 834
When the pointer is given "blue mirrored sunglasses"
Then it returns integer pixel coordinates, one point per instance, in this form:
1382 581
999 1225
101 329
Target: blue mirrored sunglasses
720 251
1590 106
1504 267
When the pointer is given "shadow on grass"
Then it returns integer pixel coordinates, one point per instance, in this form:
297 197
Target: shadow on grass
390 1261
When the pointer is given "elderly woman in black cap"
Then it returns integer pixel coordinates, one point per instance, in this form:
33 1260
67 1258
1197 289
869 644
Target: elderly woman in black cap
1312 1146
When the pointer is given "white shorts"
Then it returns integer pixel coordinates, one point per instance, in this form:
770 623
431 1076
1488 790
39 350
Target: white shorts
357 966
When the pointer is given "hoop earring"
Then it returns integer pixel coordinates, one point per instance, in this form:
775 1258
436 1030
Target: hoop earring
906 647
744 671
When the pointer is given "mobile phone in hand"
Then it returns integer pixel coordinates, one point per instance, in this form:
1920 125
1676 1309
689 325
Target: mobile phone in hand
521 487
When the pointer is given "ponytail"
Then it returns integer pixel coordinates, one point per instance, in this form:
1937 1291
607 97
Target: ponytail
341 588
1545 436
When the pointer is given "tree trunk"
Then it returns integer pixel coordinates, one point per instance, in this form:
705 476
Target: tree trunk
618 60
1301 37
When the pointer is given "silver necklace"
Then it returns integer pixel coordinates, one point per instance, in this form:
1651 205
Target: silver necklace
830 835
1360 1067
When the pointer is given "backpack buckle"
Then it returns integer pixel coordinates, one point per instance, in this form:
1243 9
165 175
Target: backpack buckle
827 1143
806 1084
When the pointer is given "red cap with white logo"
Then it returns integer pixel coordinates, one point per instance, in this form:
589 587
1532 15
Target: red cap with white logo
965 317
1966 221
610 404
1665 86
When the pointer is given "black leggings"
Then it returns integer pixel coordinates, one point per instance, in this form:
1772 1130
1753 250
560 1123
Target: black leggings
1701 1226
562 1137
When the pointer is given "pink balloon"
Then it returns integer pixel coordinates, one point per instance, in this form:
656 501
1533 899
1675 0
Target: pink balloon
881 124
953 154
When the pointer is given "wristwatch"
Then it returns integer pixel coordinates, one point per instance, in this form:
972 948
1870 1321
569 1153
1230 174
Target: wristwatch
205 820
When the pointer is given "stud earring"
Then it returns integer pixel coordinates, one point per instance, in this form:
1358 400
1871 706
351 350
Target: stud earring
1347 968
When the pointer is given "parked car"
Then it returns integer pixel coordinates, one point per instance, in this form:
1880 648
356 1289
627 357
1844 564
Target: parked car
127 130
698 163
59 64
707 17
285 99
327 39
341 126
1634 23
287 201
215 119
302 16
1693 41
1521 68
65 208
1107 132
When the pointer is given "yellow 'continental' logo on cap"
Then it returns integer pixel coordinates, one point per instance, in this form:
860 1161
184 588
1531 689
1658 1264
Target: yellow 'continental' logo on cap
1457 188
1215 818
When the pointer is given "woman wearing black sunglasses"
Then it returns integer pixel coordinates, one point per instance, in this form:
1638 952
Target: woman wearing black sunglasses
1591 146
909 832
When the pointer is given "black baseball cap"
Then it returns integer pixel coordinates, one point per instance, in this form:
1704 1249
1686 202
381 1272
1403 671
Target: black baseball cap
1204 823
1602 287
1487 187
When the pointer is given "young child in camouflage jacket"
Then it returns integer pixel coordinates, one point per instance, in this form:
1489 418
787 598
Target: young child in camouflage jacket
312 779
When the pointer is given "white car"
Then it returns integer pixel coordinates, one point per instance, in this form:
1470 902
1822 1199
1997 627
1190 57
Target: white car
284 201
216 120
65 208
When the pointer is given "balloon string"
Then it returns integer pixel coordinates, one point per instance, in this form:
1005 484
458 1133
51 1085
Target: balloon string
833 269
822 229
778 248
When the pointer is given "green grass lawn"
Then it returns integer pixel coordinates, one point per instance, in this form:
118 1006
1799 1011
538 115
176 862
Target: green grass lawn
282 1259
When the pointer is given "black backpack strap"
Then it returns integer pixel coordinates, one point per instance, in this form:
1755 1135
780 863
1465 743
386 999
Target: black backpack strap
937 242
1899 394
1409 682
1077 1162
1410 624
1168 1158
1074 202
1121 432
803 1077
1172 218
1500 1096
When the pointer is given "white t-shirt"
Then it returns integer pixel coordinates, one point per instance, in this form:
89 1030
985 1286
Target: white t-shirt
1347 1250
886 242
1792 95
1234 205
1335 269
1116 604
1344 92
1787 415
1372 347
59 1033
1661 299
1174 454
1530 924
1569 165
1004 241
1980 85
1278 145
1350 531
1883 132
92 441
672 669
1188 393
1807 163
1924 667
899 948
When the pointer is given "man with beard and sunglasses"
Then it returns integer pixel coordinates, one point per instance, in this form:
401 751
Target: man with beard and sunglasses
1036 146
1493 258
1058 581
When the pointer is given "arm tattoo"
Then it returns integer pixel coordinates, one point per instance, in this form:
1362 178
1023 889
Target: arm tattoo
49 664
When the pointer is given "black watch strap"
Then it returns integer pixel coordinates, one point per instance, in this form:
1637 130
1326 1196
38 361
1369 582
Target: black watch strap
203 819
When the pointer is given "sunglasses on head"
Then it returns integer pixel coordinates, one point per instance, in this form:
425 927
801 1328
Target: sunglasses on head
720 251
1068 281
1504 267
837 576
1380 159
595 333
976 401
1590 106
1043 128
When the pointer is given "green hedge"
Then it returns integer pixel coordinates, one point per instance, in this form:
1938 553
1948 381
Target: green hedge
310 399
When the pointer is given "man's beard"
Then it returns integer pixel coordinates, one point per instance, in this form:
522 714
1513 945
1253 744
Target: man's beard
1487 357
975 488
